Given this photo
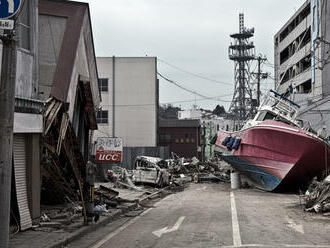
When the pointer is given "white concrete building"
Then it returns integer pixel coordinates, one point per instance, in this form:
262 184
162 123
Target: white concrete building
302 48
129 107
293 56
193 113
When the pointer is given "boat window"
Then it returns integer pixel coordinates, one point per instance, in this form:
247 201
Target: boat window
269 116
266 116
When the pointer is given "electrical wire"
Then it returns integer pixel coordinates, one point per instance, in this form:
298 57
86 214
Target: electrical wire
193 74
183 88
216 98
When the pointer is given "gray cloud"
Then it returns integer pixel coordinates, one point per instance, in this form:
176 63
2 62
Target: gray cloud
191 34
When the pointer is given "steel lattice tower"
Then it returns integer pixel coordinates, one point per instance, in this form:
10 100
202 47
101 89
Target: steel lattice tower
242 52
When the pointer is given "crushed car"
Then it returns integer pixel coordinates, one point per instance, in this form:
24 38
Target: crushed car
150 170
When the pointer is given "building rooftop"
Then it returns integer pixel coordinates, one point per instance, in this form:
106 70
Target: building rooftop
179 123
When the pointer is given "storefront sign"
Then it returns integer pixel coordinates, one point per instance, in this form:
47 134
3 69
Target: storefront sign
109 150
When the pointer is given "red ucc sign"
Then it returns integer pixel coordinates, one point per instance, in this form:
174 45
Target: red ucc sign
109 150
108 156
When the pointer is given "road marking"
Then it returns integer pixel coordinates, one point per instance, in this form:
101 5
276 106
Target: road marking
164 230
236 234
120 229
297 227
278 245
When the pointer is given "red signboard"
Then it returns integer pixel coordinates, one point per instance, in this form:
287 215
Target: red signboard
109 150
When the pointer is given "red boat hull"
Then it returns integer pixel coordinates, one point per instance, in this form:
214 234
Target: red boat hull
275 155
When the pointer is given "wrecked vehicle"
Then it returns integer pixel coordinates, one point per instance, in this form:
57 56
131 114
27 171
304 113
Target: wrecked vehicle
150 170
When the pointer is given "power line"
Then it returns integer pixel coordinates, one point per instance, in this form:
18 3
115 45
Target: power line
183 88
217 98
204 98
193 74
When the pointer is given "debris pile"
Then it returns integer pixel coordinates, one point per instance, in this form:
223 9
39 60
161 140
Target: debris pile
105 197
199 171
106 200
174 172
56 217
63 165
318 196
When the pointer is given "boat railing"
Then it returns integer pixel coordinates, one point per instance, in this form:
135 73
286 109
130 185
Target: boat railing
282 105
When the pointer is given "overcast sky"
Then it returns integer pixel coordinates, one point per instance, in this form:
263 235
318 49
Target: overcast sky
192 35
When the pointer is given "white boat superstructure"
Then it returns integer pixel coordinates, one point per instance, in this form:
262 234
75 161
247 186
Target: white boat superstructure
278 108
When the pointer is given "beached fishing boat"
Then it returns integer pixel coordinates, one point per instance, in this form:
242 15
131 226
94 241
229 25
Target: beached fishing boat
275 149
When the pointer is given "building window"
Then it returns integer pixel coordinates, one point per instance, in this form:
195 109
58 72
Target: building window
24 26
103 84
295 22
102 116
306 87
166 138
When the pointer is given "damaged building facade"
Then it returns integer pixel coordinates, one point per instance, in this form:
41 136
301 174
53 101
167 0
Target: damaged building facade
69 86
56 98
28 122
301 49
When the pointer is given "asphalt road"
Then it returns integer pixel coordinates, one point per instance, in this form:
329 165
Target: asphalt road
211 215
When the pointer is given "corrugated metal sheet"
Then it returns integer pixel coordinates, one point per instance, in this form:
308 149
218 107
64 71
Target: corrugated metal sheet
20 181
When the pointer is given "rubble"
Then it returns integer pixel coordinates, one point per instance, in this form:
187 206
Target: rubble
101 209
317 197
63 166
106 192
158 172
199 171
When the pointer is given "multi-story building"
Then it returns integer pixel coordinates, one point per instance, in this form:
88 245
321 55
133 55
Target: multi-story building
129 107
301 56
293 56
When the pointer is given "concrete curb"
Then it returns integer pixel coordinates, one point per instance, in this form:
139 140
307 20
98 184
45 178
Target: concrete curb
86 229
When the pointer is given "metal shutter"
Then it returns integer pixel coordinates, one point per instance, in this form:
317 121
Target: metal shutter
20 181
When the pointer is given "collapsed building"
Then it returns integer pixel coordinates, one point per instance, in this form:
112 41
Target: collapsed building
56 98
69 85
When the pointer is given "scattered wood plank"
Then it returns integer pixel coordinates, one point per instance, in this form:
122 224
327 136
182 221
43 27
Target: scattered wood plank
63 129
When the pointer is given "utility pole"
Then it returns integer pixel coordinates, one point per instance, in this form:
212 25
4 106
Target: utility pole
260 75
8 12
7 101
